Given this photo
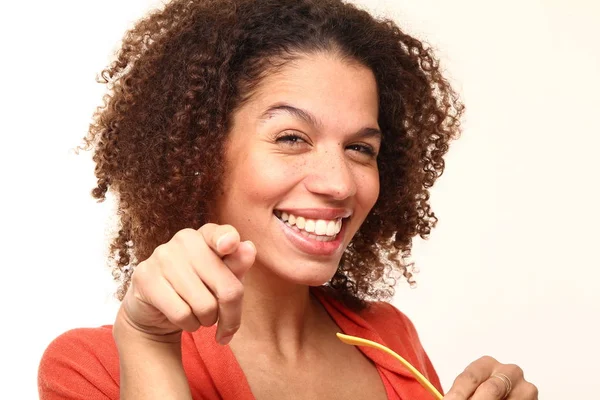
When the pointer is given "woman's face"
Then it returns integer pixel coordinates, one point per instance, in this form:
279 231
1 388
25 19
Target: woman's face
301 172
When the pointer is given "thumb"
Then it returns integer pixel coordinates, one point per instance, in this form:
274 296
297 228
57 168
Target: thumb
240 261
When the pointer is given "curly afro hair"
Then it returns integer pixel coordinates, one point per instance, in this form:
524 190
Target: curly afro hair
182 71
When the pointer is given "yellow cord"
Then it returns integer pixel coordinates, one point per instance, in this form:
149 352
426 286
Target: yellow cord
356 341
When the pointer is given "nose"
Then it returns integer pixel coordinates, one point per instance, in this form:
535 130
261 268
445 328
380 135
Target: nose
331 175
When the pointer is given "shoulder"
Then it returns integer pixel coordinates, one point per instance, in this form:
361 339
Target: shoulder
398 332
80 363
387 319
83 338
77 345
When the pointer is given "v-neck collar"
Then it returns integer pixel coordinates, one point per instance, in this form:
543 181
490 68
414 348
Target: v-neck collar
351 323
219 358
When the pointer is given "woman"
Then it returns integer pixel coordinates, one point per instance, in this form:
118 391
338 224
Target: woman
271 162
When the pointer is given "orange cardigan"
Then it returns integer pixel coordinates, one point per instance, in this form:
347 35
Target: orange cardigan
84 363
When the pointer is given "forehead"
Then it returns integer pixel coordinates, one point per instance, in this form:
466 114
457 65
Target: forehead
333 89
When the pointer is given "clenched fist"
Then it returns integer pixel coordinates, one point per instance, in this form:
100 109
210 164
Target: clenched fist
193 280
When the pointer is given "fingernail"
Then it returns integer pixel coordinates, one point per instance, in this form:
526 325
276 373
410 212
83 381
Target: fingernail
225 340
221 239
251 244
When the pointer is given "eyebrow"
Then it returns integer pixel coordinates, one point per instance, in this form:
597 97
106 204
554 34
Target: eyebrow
298 113
310 119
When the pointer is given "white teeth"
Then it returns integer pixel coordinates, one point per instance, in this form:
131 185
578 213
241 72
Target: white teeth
321 227
320 238
318 228
310 226
331 228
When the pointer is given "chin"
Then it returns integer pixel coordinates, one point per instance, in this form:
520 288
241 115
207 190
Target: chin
305 272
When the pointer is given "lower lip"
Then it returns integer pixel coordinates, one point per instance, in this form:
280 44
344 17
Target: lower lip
311 246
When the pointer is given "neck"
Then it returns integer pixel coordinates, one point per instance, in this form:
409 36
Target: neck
277 315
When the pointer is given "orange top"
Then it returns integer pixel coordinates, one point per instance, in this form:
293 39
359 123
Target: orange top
84 363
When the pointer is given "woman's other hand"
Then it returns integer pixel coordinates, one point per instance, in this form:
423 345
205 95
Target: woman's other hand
488 379
193 280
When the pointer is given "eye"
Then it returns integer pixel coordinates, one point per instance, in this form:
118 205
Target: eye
293 140
365 149
290 139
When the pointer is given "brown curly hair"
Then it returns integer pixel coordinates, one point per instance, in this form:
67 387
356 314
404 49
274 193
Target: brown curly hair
183 70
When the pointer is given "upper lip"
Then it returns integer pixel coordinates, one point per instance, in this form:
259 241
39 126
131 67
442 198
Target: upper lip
318 213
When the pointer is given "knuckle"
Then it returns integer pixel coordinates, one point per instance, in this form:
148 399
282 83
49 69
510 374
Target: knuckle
180 316
140 275
532 391
209 225
488 360
469 377
184 235
206 312
515 370
161 252
205 308
188 241
231 293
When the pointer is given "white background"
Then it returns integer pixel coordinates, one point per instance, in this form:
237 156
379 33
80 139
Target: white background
511 270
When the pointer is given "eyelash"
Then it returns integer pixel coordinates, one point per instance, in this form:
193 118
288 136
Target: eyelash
290 138
294 140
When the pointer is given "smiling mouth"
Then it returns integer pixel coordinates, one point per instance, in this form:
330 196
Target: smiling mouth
322 230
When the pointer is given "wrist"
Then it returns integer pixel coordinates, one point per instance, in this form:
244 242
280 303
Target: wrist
150 365
124 331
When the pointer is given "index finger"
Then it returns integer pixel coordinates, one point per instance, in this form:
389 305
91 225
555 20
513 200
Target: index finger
469 380
222 239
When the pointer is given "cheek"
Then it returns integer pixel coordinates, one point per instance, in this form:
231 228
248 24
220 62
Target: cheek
261 179
256 185
368 189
